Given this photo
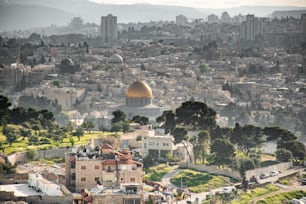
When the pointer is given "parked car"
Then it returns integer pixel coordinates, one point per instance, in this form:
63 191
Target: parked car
264 175
304 181
274 173
227 190
296 201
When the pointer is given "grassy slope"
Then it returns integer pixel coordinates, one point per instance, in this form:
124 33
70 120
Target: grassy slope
22 145
157 172
199 181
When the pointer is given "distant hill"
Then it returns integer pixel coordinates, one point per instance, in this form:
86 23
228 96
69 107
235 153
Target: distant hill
260 11
17 14
285 14
13 17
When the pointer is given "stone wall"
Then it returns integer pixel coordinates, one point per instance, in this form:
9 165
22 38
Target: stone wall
49 199
277 167
235 174
21 157
211 169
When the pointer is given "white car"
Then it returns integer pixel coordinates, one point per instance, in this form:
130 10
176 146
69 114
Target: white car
296 201
226 190
274 173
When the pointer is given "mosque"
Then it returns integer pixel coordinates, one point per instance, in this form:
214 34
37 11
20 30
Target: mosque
138 101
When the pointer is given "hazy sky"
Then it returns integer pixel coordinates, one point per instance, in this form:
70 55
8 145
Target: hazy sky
209 3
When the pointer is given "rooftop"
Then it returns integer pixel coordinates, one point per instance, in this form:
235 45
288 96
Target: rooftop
20 190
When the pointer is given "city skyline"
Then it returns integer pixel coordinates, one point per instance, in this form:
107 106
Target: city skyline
208 4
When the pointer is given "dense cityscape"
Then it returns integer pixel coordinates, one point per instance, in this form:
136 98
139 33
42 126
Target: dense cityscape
191 110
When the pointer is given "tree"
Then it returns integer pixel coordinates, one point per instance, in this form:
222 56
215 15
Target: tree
125 126
148 162
25 133
68 128
167 119
179 134
171 158
46 118
78 132
281 136
59 135
140 119
18 115
283 155
33 139
196 115
31 154
118 116
223 151
116 127
4 109
71 140
297 148
247 137
218 132
203 141
10 134
88 125
36 127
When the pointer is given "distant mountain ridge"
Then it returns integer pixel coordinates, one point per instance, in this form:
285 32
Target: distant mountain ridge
19 14
288 13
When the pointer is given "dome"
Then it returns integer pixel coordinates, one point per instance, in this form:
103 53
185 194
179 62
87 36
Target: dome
67 62
115 58
139 89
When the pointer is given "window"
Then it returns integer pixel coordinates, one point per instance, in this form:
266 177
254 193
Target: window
97 178
121 179
156 143
132 179
83 167
97 167
83 179
73 176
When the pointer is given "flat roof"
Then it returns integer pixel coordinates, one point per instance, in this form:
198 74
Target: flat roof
20 190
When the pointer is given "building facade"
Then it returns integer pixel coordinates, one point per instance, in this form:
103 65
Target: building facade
251 28
212 18
108 28
87 167
181 20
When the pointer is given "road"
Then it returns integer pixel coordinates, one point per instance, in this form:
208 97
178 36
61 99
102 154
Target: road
202 196
282 190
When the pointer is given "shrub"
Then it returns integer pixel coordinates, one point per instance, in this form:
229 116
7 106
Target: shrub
31 154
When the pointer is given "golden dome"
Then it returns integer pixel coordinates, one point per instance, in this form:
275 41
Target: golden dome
139 89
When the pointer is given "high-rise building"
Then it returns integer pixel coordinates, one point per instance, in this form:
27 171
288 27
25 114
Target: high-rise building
212 18
303 18
225 17
181 20
251 28
109 32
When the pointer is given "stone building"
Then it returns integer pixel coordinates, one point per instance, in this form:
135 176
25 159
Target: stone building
87 167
